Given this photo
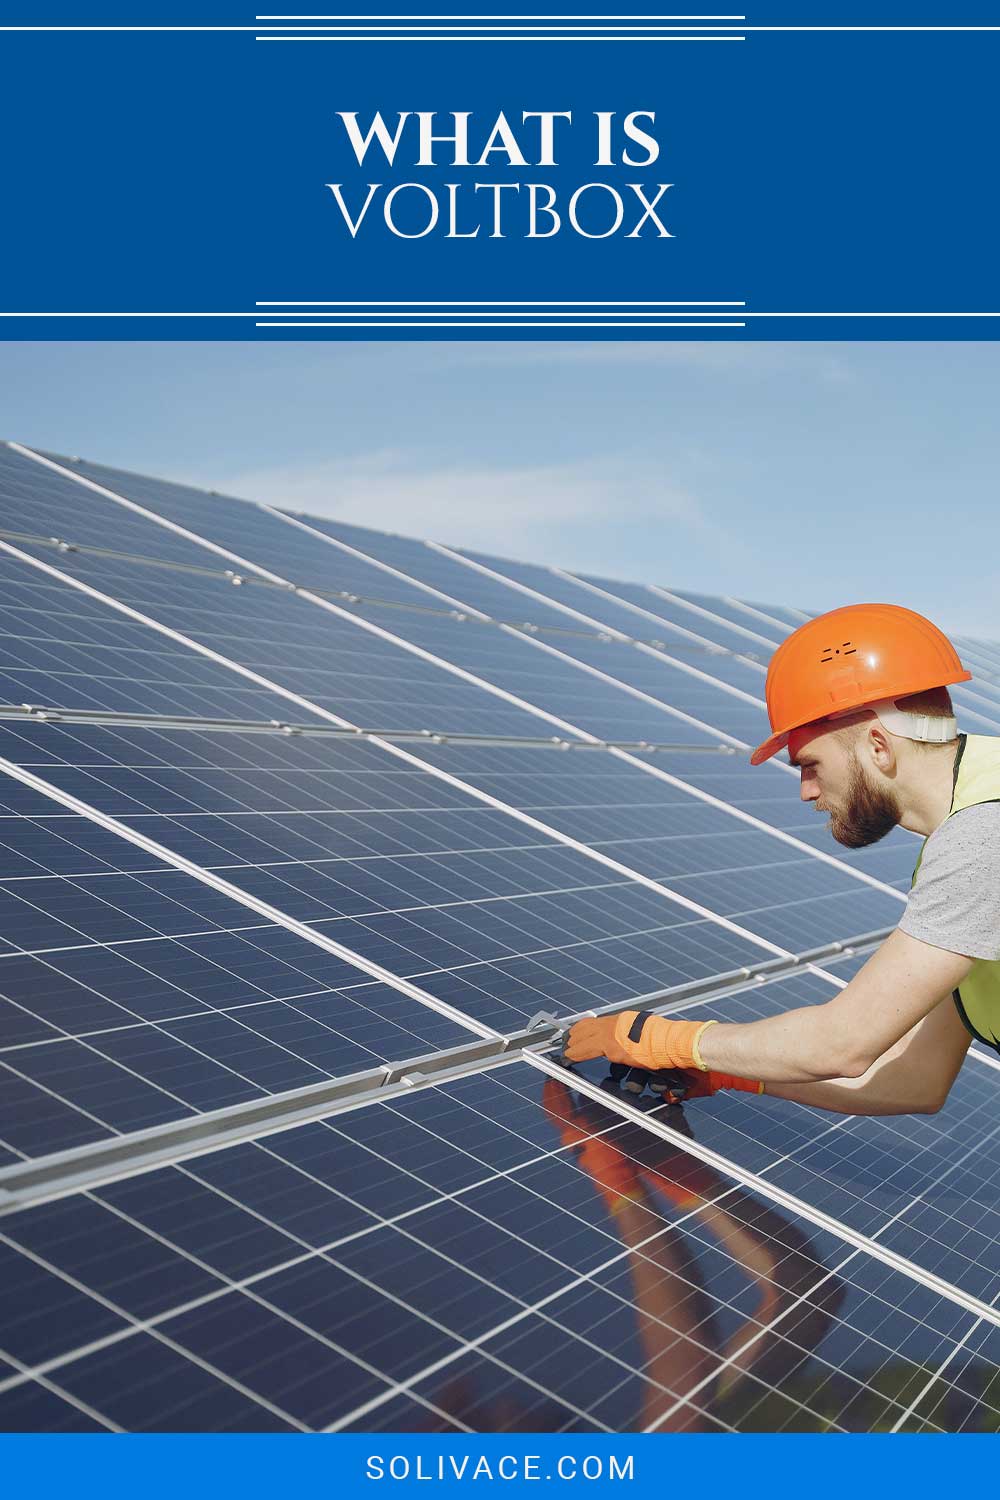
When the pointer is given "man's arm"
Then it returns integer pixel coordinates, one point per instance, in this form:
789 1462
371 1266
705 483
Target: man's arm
899 985
913 1077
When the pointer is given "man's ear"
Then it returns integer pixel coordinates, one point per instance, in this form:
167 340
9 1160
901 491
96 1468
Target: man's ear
881 747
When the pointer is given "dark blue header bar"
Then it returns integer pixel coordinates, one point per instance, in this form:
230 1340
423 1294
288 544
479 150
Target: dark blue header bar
541 173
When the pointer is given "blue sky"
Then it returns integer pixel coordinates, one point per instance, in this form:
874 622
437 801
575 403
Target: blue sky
808 474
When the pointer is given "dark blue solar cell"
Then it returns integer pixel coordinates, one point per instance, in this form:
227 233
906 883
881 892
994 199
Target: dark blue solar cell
88 1080
299 1375
406 1414
43 1314
114 1259
209 1223
35 1122
144 1385
32 1407
269 1186
579 698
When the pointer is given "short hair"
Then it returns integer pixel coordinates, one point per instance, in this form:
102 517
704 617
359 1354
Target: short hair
934 702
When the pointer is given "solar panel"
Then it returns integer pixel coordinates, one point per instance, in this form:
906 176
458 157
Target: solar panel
671 610
61 647
552 680
226 905
696 849
780 612
438 569
278 635
772 627
399 867
451 1250
38 501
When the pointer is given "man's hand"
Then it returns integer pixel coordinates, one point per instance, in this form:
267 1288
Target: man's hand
663 1044
594 1036
637 1038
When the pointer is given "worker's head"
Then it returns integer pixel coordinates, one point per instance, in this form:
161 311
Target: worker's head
858 696
858 768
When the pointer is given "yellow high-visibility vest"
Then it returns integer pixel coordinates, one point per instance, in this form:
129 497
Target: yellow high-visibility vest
977 779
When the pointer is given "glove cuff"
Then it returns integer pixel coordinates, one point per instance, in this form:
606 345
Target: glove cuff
730 1081
656 1042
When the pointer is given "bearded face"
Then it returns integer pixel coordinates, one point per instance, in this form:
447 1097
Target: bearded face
868 811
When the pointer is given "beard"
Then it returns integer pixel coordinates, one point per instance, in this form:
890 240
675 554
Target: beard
869 813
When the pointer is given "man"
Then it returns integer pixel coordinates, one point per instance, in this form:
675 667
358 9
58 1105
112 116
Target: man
859 697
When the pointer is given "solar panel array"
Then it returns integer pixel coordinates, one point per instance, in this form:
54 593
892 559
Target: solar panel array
305 829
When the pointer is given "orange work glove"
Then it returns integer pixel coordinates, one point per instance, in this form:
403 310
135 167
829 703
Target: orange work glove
615 1175
639 1038
703 1085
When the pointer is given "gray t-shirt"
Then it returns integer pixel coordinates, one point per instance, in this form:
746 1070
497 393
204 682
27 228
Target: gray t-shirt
955 903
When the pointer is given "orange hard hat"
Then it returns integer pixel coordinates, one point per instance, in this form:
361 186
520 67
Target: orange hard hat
850 657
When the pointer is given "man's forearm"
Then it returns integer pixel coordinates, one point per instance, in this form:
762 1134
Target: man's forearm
801 1046
839 1039
912 1077
852 1096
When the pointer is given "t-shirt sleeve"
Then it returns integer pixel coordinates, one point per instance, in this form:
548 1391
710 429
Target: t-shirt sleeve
955 903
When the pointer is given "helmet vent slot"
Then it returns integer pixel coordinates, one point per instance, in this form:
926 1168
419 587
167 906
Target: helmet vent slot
846 648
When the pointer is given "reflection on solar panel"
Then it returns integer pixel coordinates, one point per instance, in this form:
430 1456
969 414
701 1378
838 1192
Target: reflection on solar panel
311 841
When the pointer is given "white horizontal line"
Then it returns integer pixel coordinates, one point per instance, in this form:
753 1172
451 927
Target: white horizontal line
641 36
336 20
678 311
504 314
644 306
500 325
873 28
872 314
254 28
744 313
461 25
128 28
562 16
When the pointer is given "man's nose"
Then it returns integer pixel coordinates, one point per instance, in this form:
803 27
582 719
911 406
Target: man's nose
808 788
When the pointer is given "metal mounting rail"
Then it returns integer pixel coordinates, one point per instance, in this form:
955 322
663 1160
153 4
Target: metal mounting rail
43 712
83 1168
347 597
101 1162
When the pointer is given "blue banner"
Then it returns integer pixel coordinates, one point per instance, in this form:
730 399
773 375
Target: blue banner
392 1464
791 172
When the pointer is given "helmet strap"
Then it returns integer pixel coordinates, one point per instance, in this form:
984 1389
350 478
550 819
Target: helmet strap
927 728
